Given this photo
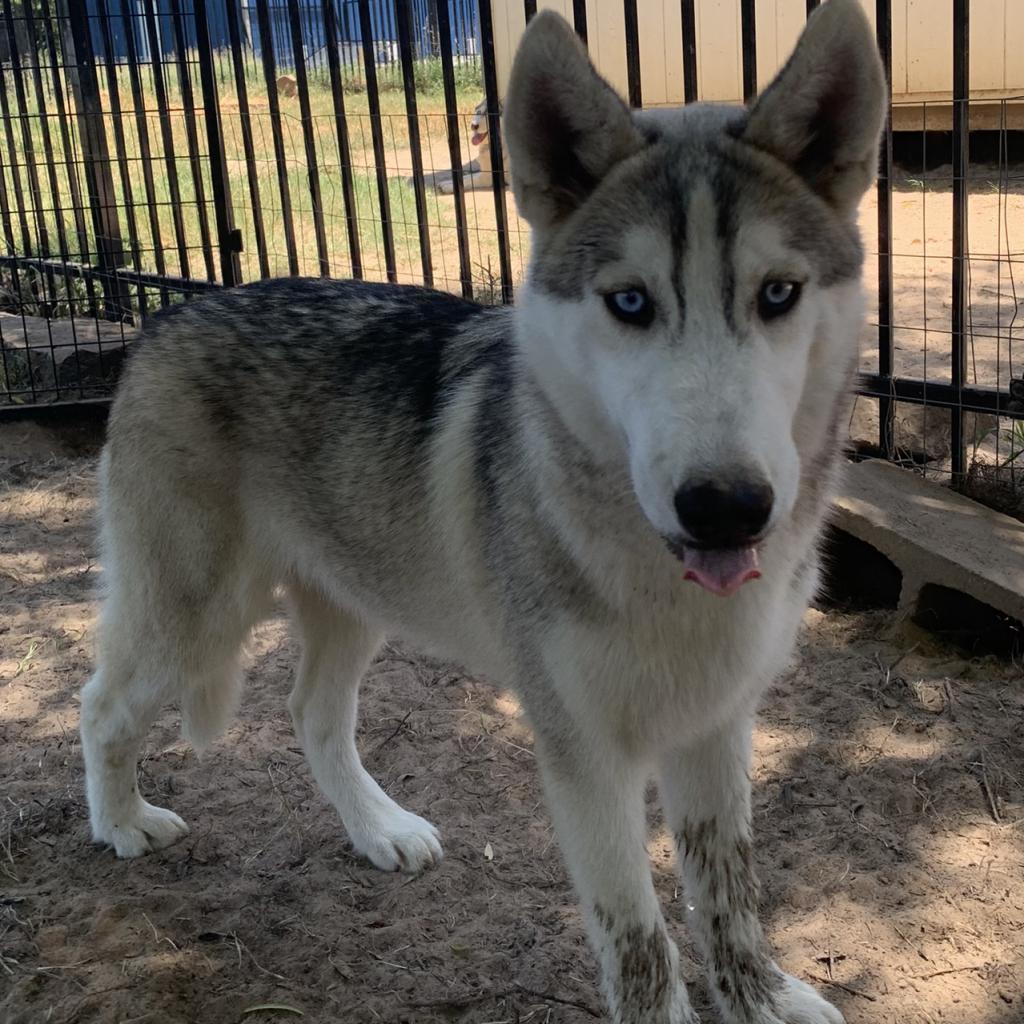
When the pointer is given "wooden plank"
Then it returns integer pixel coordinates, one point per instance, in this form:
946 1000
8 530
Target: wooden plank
1013 47
607 30
929 44
719 70
988 53
661 59
509 25
900 61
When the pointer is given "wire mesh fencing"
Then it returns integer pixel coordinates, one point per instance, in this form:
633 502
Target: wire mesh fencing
141 164
153 149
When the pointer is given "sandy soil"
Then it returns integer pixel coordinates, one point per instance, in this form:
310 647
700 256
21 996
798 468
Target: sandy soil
889 785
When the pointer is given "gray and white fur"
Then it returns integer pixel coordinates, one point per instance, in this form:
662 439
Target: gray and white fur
555 495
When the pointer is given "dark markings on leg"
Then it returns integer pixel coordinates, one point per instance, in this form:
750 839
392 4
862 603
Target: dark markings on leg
740 966
644 972
644 967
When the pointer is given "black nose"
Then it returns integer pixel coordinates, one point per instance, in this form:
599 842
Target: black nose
724 516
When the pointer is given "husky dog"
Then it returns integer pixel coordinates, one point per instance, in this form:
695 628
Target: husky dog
288 87
608 497
478 173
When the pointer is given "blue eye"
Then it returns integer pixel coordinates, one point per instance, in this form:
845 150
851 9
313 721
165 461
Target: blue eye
777 298
632 306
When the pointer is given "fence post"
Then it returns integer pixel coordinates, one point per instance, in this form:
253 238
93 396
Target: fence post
748 39
96 162
229 240
886 361
961 254
497 154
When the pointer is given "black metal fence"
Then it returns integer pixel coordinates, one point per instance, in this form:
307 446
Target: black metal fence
155 148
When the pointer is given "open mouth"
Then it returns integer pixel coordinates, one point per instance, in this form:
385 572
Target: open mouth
477 137
722 571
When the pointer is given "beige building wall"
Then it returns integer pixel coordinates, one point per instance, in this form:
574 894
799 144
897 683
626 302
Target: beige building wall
922 44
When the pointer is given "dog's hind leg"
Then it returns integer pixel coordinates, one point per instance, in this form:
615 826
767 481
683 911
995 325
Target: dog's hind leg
337 649
119 704
182 597
706 792
153 652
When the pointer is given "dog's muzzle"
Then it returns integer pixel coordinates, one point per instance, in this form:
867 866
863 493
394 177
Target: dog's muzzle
722 525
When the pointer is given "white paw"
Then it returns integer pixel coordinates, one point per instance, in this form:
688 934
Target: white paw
798 1003
142 830
446 188
394 839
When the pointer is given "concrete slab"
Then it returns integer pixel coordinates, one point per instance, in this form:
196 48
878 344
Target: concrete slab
44 360
934 535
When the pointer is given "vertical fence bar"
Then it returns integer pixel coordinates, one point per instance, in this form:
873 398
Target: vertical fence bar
167 136
280 157
32 174
96 159
44 125
5 215
341 130
886 406
192 137
748 34
27 245
377 137
51 170
812 6
309 138
497 147
114 98
223 210
31 244
961 127
245 123
529 9
145 152
444 38
409 83
70 161
579 19
632 53
689 21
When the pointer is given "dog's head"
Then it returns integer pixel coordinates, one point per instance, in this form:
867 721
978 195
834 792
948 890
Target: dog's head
693 301
479 125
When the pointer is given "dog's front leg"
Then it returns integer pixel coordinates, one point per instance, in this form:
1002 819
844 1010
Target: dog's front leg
595 795
706 793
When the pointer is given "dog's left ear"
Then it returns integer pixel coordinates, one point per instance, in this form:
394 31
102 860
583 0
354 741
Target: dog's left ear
824 112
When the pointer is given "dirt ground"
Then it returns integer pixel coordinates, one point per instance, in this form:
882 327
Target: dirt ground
889 784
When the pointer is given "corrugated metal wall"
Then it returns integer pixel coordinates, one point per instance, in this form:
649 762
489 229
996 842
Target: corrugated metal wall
462 16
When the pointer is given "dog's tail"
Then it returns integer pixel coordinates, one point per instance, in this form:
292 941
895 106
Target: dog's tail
209 704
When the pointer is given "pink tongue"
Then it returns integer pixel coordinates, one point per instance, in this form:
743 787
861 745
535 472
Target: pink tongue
477 138
723 570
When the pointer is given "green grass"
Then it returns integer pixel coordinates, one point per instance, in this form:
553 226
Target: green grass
50 210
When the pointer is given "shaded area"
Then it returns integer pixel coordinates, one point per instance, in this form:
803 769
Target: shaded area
970 624
889 802
856 575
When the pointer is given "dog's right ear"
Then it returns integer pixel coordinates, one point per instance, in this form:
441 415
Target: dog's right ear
565 127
